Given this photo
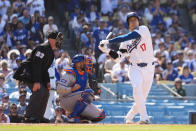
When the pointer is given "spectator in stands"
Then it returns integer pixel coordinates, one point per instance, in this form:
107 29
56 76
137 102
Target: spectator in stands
122 14
186 75
106 7
21 90
2 23
183 41
21 34
25 18
22 104
2 80
12 55
180 61
59 117
163 62
178 87
27 53
158 13
99 34
148 12
86 38
158 72
119 72
4 4
14 21
120 30
18 3
9 80
3 117
163 51
172 51
36 5
14 116
6 103
75 13
36 34
170 73
64 60
92 15
109 63
158 40
7 36
50 26
193 64
3 52
4 68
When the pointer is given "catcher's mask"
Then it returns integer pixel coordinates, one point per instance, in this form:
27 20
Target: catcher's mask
88 62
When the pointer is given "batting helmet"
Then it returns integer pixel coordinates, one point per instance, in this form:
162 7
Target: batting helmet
132 14
78 58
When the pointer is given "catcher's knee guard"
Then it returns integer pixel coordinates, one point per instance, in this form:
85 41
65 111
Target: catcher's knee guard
87 96
100 118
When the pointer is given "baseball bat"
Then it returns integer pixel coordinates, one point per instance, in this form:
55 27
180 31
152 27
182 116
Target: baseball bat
107 37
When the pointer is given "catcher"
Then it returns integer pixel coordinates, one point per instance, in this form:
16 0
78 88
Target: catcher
75 95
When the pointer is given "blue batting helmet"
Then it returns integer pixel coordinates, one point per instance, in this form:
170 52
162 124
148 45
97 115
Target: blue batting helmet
78 58
132 14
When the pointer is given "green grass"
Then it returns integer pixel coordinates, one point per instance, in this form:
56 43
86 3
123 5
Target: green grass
97 127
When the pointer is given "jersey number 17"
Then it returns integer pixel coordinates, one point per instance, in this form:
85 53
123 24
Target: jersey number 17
143 47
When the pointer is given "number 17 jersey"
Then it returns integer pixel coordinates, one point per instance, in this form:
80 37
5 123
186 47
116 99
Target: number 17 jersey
139 50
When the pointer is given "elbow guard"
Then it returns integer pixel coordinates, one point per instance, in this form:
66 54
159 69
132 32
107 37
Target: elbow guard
113 54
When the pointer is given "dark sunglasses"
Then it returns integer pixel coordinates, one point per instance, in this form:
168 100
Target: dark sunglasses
2 78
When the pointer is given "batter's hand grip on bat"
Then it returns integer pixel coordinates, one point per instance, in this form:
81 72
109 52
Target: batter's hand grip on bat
107 37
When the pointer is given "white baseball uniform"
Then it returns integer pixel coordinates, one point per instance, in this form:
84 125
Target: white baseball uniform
141 69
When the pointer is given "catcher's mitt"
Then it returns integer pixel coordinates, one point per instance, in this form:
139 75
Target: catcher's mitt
94 86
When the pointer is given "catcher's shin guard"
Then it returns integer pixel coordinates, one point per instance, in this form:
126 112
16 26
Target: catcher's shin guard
78 109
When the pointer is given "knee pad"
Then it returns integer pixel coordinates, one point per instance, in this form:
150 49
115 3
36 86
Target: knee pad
99 118
78 109
87 96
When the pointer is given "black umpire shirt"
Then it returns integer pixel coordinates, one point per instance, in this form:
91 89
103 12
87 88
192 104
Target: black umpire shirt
41 58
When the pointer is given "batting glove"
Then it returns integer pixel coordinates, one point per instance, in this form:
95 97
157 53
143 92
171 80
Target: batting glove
103 46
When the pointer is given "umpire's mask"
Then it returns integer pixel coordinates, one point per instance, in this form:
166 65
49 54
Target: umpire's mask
58 36
59 40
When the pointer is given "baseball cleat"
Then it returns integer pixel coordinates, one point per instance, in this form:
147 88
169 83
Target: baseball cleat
129 122
144 122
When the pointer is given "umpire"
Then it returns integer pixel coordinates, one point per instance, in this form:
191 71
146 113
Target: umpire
34 72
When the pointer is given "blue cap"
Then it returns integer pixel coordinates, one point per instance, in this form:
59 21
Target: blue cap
78 58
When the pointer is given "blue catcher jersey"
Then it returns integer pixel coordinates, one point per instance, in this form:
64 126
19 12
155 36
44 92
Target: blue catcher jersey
80 79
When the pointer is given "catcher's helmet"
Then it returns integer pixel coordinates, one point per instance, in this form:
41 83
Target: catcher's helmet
88 63
78 58
132 14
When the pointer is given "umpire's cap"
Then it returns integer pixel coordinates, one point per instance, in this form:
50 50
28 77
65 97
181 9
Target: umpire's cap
55 35
78 58
132 14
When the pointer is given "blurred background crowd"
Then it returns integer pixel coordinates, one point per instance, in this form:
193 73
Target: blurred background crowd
26 23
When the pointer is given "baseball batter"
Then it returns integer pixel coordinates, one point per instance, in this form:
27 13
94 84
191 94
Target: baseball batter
138 45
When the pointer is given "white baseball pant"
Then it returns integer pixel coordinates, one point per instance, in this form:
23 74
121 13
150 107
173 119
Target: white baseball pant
141 79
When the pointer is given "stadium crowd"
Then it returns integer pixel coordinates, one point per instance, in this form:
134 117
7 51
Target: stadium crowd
25 25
